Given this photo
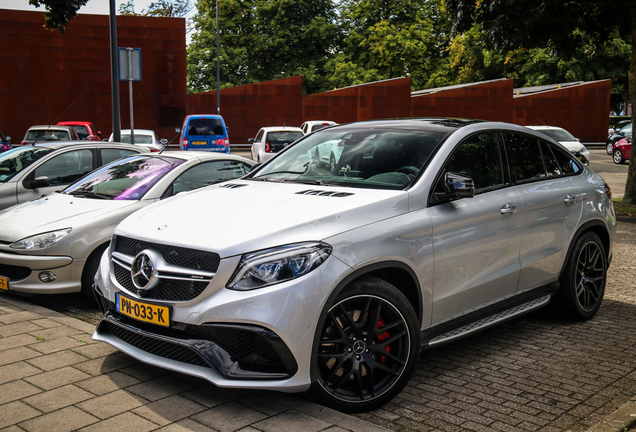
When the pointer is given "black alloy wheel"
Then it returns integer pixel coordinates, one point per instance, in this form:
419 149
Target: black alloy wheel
367 349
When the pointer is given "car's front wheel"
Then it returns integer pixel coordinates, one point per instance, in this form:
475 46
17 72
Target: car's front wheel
609 147
618 157
367 348
583 279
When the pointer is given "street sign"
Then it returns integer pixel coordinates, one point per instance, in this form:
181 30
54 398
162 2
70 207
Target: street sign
124 66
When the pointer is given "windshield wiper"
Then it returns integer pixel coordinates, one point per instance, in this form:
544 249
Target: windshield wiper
89 194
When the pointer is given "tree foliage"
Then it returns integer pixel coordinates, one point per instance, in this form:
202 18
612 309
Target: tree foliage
58 12
561 26
262 40
159 8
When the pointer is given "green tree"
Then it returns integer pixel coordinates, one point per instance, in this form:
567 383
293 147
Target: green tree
553 24
262 40
389 39
160 8
58 12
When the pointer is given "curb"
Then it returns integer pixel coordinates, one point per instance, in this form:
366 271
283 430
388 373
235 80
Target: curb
619 421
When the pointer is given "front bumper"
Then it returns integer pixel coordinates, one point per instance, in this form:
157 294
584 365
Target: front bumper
252 339
22 272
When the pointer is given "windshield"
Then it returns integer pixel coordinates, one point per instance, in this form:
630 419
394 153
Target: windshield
14 161
354 156
125 179
558 134
48 135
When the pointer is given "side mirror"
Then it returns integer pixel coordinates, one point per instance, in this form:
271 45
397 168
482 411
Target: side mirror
99 134
250 140
456 186
8 139
40 182
163 141
177 130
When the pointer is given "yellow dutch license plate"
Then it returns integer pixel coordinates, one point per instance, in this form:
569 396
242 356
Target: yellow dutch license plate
143 311
4 284
199 142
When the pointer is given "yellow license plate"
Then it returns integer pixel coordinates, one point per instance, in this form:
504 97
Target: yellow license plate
4 283
143 311
199 142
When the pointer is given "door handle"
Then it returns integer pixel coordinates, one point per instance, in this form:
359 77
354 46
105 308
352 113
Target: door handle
508 208
569 199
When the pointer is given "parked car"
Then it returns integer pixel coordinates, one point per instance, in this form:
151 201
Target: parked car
45 133
622 150
53 244
143 137
28 172
567 140
622 132
423 234
314 125
205 132
5 143
617 126
85 130
271 140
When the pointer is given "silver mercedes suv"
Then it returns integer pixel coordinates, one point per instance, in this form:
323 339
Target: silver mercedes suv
331 278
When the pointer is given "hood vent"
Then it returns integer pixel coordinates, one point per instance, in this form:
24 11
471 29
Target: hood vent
324 193
232 185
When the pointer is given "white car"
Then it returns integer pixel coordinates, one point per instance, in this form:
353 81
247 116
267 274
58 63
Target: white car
314 125
143 137
567 140
271 140
53 244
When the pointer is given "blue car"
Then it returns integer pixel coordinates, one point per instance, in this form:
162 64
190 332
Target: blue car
205 132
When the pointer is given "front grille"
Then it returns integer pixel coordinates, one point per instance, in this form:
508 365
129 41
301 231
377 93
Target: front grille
167 289
155 346
14 272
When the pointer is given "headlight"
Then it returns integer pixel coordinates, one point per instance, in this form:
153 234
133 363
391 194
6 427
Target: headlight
41 241
272 266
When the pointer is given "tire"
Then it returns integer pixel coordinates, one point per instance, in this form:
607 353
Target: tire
358 365
88 274
618 157
583 279
332 164
609 147
316 159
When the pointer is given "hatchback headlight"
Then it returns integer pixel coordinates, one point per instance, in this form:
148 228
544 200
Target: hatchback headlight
41 241
272 266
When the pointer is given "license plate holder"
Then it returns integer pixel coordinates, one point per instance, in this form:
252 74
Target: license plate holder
143 311
4 283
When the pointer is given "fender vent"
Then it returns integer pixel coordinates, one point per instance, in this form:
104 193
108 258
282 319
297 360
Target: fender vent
232 185
324 193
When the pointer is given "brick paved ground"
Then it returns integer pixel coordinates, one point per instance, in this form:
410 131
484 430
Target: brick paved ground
535 373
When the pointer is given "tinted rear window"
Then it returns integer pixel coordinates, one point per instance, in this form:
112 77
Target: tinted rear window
205 126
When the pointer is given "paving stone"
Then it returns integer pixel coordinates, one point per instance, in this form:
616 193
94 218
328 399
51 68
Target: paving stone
15 371
112 404
17 354
228 417
169 410
103 365
15 390
160 388
125 422
187 425
46 323
97 350
58 398
18 328
18 316
107 383
262 404
56 360
211 396
59 332
16 412
59 344
64 420
291 421
17 341
57 378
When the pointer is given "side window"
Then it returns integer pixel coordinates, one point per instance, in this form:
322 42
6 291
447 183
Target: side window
206 174
109 155
67 167
551 164
480 158
259 136
524 155
566 161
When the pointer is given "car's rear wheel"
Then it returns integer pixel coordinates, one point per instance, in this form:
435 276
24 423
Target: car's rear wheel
583 279
88 274
332 163
609 147
367 348
618 157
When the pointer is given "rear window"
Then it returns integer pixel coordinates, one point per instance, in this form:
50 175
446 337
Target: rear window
139 139
205 126
283 137
82 132
48 135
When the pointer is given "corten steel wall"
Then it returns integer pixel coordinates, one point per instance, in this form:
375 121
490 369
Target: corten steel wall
581 109
383 99
485 101
247 108
46 77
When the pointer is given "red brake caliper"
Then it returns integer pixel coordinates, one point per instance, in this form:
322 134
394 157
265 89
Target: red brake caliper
381 337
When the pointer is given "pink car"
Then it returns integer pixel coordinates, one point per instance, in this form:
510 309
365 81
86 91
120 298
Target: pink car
622 150
85 130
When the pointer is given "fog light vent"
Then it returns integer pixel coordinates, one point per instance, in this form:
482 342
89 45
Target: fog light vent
47 276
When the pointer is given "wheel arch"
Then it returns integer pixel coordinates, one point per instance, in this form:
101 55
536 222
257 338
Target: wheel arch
599 228
101 245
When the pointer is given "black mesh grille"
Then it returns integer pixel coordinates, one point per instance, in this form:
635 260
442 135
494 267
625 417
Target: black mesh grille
182 257
154 346
167 289
14 272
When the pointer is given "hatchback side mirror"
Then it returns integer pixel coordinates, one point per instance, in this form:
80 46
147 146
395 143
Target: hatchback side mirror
456 186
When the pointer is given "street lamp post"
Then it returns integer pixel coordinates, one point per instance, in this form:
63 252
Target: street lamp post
218 70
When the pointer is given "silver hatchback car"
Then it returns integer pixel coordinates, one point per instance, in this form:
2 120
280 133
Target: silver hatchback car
425 231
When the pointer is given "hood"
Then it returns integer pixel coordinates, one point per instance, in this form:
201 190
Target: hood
53 212
257 215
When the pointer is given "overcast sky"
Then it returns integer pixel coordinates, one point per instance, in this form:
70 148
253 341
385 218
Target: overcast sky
97 7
